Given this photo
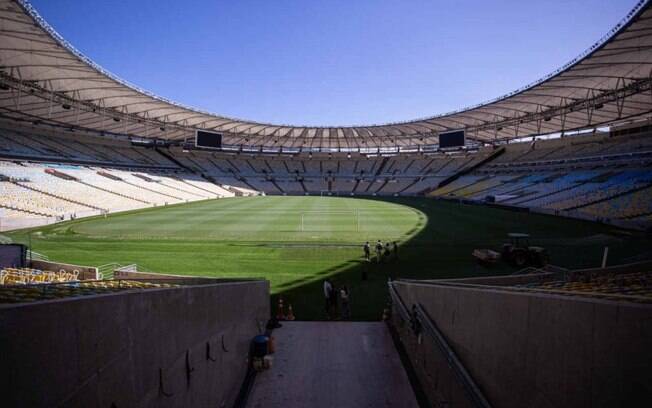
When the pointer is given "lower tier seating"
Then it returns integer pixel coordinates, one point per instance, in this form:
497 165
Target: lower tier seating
27 276
47 291
633 286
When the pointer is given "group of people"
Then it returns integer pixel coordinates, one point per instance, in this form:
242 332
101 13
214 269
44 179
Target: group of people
337 301
383 252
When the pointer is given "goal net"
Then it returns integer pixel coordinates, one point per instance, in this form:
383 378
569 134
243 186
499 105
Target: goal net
326 221
328 193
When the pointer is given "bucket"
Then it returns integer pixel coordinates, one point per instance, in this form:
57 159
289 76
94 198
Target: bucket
260 346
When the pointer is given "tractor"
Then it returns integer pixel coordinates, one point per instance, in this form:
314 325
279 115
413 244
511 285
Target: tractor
519 253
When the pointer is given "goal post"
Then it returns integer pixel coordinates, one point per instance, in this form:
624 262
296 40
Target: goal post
307 217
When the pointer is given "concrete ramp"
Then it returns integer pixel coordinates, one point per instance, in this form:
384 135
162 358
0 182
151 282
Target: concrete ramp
333 364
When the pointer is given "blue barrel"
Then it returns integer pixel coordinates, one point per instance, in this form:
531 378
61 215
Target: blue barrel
261 343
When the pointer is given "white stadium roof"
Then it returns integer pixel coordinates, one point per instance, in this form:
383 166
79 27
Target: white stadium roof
44 79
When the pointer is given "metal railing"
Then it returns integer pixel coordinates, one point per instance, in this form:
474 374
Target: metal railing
35 256
545 269
106 270
471 389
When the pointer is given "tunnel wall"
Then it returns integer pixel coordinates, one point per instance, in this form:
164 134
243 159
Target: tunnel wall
436 375
536 350
176 347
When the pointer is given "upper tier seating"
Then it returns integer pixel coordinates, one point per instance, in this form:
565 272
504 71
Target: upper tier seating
78 148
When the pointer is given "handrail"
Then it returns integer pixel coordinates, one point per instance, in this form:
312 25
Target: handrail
105 266
35 256
471 389
106 270
396 300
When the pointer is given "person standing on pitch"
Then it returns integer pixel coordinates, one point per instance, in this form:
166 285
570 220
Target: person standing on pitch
395 250
334 306
367 251
379 251
346 308
328 295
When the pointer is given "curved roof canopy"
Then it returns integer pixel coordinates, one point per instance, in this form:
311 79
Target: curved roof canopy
45 79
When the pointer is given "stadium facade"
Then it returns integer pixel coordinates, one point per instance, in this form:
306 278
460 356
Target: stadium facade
58 85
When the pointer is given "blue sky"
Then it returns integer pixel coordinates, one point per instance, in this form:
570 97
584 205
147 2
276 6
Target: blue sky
331 62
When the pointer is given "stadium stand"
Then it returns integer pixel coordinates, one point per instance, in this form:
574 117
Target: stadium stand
604 177
636 286
601 176
46 176
77 141
27 286
27 276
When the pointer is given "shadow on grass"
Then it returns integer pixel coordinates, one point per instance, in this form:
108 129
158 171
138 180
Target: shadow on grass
439 245
442 248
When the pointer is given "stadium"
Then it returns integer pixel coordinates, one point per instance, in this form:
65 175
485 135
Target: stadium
158 254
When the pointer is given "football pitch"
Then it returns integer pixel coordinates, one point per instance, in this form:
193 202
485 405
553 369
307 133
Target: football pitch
296 242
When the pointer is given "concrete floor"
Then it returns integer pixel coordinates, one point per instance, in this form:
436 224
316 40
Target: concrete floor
333 364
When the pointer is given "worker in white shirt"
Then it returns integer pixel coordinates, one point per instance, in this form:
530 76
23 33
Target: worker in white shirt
328 296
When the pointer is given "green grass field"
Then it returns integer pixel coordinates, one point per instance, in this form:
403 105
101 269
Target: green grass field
264 237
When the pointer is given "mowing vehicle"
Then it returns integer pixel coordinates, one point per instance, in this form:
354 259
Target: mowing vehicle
519 253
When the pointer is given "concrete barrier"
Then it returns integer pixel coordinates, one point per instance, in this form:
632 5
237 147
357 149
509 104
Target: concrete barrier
506 280
538 350
174 347
85 272
127 273
642 266
10 224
